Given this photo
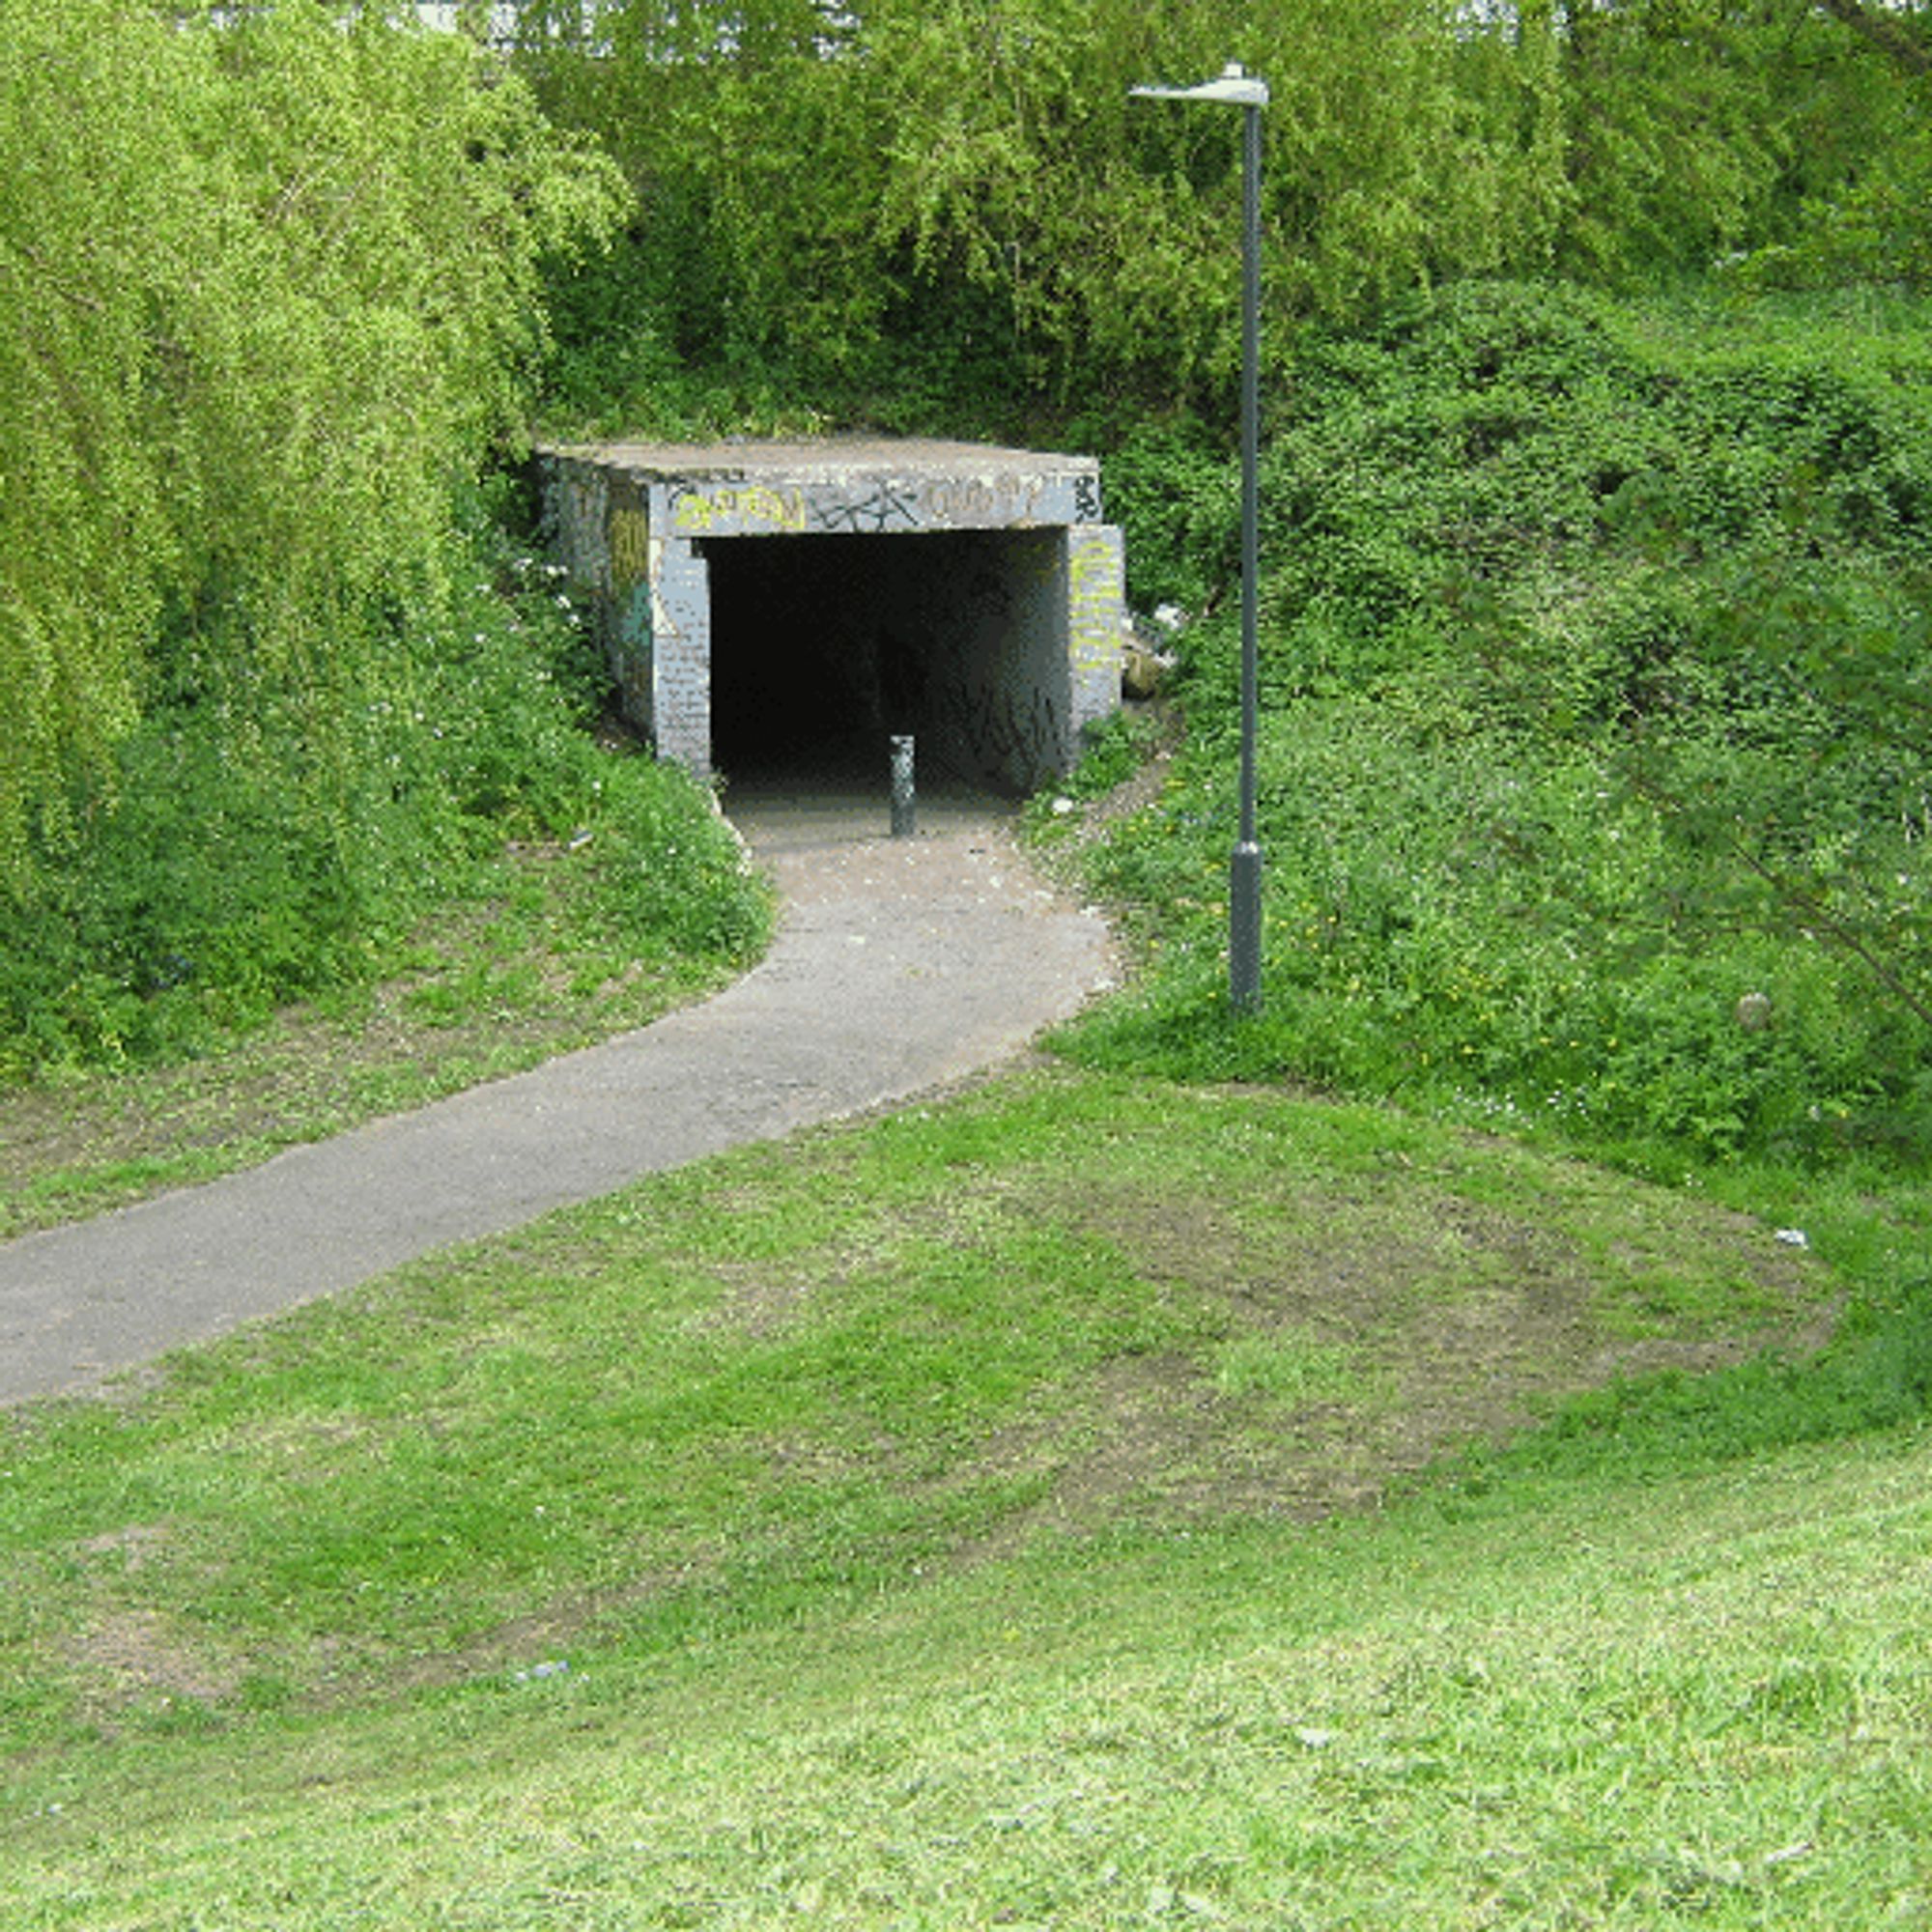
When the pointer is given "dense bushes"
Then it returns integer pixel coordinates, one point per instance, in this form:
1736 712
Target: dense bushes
1586 567
244 862
272 305
1594 780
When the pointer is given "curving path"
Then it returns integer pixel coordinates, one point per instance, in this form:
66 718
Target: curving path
898 965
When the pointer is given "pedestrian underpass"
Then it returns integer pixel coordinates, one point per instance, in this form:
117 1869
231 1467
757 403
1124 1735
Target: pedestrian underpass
768 604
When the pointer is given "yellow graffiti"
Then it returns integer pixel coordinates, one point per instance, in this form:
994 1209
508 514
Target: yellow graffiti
1094 652
1094 597
1094 570
774 509
630 545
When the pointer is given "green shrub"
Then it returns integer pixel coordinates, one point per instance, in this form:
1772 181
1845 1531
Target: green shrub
258 851
1495 935
1595 675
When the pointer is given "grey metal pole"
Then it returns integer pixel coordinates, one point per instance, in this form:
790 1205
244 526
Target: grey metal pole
904 816
1238 87
1245 869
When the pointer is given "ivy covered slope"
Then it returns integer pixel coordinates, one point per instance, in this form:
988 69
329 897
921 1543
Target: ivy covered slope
270 305
1598 702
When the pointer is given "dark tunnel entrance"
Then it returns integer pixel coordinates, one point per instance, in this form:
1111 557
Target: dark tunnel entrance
774 604
825 646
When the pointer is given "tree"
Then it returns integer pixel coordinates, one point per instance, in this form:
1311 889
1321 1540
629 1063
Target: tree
971 172
1892 34
829 194
1695 131
270 288
1870 218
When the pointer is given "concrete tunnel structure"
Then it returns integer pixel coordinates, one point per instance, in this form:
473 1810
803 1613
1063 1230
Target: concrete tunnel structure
760 601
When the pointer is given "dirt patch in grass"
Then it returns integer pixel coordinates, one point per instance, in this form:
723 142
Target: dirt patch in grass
136 1656
1363 1310
1369 1333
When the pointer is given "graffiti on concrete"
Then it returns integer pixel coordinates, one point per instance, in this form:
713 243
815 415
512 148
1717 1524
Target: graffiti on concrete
1007 635
1093 592
629 539
886 506
702 511
1003 501
975 501
1014 731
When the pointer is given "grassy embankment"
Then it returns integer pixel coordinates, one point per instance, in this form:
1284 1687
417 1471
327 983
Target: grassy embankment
525 963
1096 1500
1000 1513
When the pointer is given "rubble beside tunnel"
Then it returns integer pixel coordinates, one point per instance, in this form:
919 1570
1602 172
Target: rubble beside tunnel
801 605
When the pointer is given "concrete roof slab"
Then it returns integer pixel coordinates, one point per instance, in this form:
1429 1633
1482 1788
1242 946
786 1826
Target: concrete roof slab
837 459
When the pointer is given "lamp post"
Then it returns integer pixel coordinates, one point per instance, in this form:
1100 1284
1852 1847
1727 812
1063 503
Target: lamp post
1248 92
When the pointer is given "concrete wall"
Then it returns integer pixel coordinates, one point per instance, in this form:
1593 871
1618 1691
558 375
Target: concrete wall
974 597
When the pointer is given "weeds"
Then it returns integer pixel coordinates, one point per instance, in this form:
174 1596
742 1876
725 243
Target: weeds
245 865
1591 768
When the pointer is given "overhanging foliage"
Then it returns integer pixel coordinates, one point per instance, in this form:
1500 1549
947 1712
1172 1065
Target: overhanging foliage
920 203
270 290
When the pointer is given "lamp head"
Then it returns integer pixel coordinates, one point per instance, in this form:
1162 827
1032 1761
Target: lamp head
1233 83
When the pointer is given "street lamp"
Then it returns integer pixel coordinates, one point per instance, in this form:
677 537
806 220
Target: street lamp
1248 92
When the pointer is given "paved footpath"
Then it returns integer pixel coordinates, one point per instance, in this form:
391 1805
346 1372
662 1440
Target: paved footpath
899 965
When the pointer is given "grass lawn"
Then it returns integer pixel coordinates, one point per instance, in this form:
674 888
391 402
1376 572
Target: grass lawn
1708 1704
1013 1511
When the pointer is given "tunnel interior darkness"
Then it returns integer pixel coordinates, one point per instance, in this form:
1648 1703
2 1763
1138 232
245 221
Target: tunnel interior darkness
824 646
796 650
